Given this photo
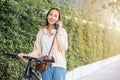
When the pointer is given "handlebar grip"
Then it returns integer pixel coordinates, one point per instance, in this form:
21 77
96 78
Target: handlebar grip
29 57
26 57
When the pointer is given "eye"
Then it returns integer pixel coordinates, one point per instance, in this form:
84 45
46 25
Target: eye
56 15
50 14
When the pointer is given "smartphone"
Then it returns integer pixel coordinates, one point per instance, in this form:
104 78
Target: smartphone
56 26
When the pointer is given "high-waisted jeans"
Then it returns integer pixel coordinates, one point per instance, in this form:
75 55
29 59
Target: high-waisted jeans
54 73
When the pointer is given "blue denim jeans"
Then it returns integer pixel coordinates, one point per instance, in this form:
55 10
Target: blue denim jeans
54 73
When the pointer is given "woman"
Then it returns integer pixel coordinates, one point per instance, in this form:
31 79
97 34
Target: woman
43 44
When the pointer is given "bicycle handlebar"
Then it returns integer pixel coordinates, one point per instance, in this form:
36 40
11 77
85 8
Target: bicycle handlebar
11 56
33 59
41 60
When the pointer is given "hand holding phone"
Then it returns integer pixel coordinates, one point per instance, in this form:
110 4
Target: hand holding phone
56 26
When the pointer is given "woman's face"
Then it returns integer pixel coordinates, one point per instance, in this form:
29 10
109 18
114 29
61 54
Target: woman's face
53 17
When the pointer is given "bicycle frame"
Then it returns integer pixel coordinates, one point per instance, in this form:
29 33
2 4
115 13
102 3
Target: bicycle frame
30 72
30 75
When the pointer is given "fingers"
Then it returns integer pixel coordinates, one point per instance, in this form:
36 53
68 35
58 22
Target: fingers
60 25
21 55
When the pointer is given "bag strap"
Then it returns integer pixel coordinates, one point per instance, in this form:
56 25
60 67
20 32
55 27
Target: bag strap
52 43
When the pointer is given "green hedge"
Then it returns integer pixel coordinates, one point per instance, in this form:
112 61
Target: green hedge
20 21
90 42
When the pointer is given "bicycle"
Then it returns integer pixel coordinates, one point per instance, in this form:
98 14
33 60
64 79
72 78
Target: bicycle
30 73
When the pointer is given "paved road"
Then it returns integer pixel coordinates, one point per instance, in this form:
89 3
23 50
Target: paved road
109 72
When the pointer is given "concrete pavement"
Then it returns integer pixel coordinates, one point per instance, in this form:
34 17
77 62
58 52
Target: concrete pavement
100 70
108 72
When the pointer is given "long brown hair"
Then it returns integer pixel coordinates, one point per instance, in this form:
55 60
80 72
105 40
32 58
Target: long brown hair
60 17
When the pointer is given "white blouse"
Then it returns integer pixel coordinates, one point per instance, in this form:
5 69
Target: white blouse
47 41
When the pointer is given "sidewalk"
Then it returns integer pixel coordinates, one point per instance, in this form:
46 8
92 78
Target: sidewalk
108 72
100 70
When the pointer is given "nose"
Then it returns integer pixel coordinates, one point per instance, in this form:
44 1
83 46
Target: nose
52 17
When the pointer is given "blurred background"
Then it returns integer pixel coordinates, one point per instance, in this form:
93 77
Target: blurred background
92 25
